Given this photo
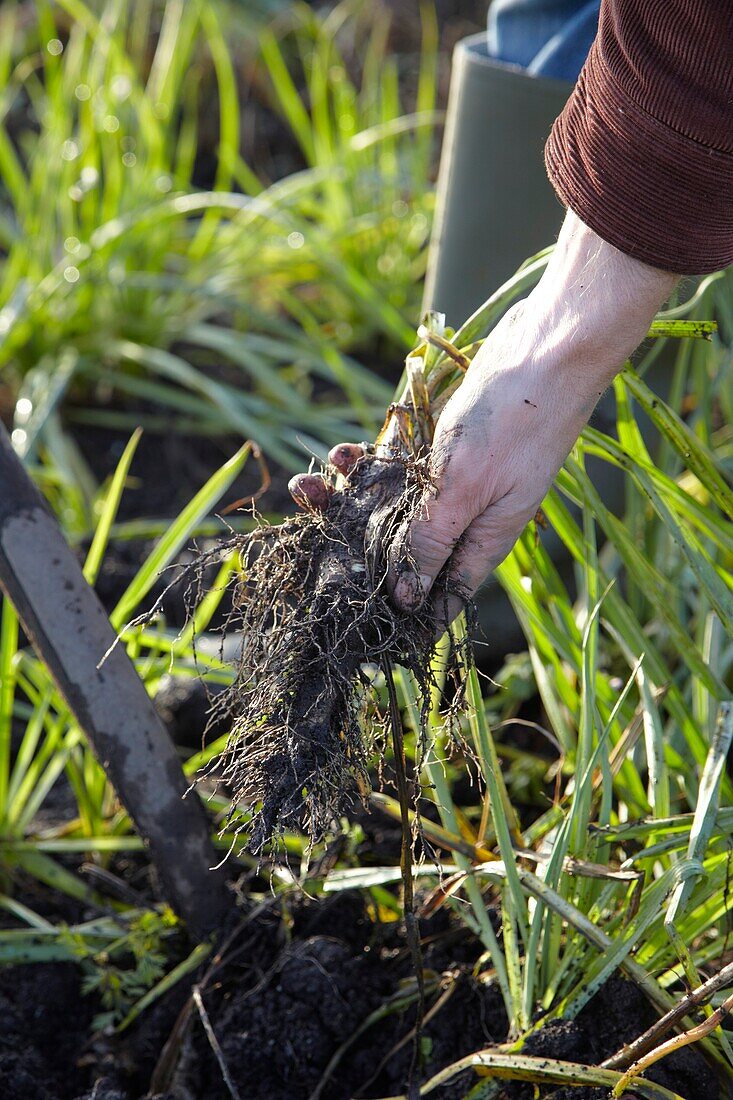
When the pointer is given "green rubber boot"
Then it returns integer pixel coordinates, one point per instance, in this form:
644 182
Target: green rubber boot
495 204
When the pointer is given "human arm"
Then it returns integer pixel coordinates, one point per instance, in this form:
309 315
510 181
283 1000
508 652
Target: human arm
526 397
642 156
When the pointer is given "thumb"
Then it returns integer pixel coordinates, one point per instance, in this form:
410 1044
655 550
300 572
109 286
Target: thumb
425 547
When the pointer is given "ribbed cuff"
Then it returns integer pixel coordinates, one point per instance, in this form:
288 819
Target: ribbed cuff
641 186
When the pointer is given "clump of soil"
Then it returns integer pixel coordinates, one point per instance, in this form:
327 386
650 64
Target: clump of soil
39 1044
339 968
312 609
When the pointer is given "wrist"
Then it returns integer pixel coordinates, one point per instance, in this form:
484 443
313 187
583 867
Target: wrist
594 304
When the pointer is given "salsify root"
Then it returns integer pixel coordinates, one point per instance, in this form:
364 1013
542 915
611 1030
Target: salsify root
312 610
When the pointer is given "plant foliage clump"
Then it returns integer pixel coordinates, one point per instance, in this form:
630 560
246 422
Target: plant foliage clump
125 971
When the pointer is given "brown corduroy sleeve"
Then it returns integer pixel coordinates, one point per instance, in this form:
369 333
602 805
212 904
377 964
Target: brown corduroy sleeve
643 151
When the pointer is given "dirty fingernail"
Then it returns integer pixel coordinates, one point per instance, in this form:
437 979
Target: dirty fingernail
345 456
405 592
410 590
309 491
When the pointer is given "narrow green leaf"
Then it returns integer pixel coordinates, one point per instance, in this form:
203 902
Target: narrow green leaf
8 650
696 330
694 454
541 1070
176 536
111 503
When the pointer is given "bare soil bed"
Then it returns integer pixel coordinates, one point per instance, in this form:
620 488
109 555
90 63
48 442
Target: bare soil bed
303 976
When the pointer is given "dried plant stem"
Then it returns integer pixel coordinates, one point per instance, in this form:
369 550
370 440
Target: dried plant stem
634 1051
214 1043
673 1044
439 341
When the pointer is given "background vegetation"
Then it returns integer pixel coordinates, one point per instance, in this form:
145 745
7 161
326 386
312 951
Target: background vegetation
213 222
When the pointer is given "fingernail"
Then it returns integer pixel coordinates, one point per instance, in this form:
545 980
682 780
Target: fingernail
405 592
410 590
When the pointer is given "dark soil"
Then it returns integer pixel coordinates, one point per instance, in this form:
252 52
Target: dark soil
303 975
45 1024
168 469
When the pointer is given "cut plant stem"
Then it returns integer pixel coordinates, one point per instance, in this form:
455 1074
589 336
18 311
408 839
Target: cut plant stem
412 928
438 341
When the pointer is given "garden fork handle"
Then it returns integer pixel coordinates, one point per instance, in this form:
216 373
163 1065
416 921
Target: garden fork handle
71 633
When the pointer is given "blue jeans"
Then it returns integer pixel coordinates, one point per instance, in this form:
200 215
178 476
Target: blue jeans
545 37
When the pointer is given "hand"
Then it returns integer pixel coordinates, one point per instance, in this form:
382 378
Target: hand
526 397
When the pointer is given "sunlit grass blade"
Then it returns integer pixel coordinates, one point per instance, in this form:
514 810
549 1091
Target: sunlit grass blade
107 516
540 1070
685 443
177 534
706 810
8 648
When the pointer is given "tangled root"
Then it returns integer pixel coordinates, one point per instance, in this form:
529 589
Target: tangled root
312 608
